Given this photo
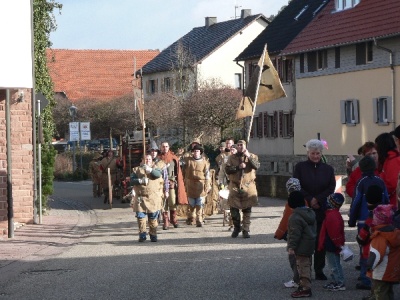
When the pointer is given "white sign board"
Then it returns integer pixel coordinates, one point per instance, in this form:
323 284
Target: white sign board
16 47
74 131
85 131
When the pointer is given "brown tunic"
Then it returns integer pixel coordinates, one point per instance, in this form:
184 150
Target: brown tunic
242 185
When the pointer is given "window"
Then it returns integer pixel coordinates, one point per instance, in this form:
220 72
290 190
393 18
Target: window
284 67
252 67
349 112
317 60
345 4
382 110
364 53
337 57
167 84
286 124
238 81
259 125
271 124
151 86
182 84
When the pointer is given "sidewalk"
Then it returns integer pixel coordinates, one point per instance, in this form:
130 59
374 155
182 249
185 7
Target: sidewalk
61 227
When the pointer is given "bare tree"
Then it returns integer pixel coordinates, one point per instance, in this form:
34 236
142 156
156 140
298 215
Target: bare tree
212 106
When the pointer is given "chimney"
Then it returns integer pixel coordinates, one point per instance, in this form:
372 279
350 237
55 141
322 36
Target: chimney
245 13
211 21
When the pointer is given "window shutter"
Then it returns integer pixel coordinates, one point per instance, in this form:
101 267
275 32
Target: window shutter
156 87
291 124
337 57
312 61
289 70
356 111
266 124
360 54
375 110
279 68
389 109
343 111
281 123
302 63
147 86
275 133
259 125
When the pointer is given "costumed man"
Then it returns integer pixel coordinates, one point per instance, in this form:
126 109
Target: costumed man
159 164
95 174
197 183
148 184
219 160
112 163
241 169
177 193
188 153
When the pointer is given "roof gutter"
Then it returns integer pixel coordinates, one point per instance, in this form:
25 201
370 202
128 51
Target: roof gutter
393 79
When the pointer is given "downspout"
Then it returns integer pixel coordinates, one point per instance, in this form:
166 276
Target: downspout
393 79
34 142
243 81
10 202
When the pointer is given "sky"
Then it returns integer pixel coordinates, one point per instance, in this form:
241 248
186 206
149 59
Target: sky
142 25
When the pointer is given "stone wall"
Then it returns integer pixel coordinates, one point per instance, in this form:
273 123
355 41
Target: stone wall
275 170
22 159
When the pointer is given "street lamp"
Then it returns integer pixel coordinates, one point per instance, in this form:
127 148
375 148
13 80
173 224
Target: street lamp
72 112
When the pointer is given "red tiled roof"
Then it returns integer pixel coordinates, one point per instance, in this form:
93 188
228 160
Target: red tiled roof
95 74
369 19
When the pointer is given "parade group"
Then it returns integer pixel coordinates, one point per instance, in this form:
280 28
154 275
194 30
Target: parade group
311 223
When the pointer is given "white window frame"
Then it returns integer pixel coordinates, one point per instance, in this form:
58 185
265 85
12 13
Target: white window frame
345 4
382 110
349 112
238 81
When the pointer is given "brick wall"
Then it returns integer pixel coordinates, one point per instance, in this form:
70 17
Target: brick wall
22 160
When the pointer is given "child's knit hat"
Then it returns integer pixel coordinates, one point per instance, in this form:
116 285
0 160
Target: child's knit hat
335 200
367 163
293 184
296 199
383 214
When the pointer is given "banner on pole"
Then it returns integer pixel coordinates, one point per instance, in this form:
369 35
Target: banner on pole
74 131
85 131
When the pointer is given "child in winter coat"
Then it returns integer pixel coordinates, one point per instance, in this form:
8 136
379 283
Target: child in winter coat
384 256
359 209
332 239
293 184
302 233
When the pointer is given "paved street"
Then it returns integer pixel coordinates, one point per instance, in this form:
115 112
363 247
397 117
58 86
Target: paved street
87 252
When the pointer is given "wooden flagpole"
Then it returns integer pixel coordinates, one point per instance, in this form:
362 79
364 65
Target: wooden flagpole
143 121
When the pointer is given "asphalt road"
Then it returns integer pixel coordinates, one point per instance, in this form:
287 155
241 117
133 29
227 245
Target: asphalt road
103 259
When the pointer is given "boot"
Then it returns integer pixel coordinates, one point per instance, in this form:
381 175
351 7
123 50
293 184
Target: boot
165 220
190 215
153 238
199 216
142 237
246 234
174 218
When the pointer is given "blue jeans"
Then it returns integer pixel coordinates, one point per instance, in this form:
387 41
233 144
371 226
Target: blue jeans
196 201
335 266
141 215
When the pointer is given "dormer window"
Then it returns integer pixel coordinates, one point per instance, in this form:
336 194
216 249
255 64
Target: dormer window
345 4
